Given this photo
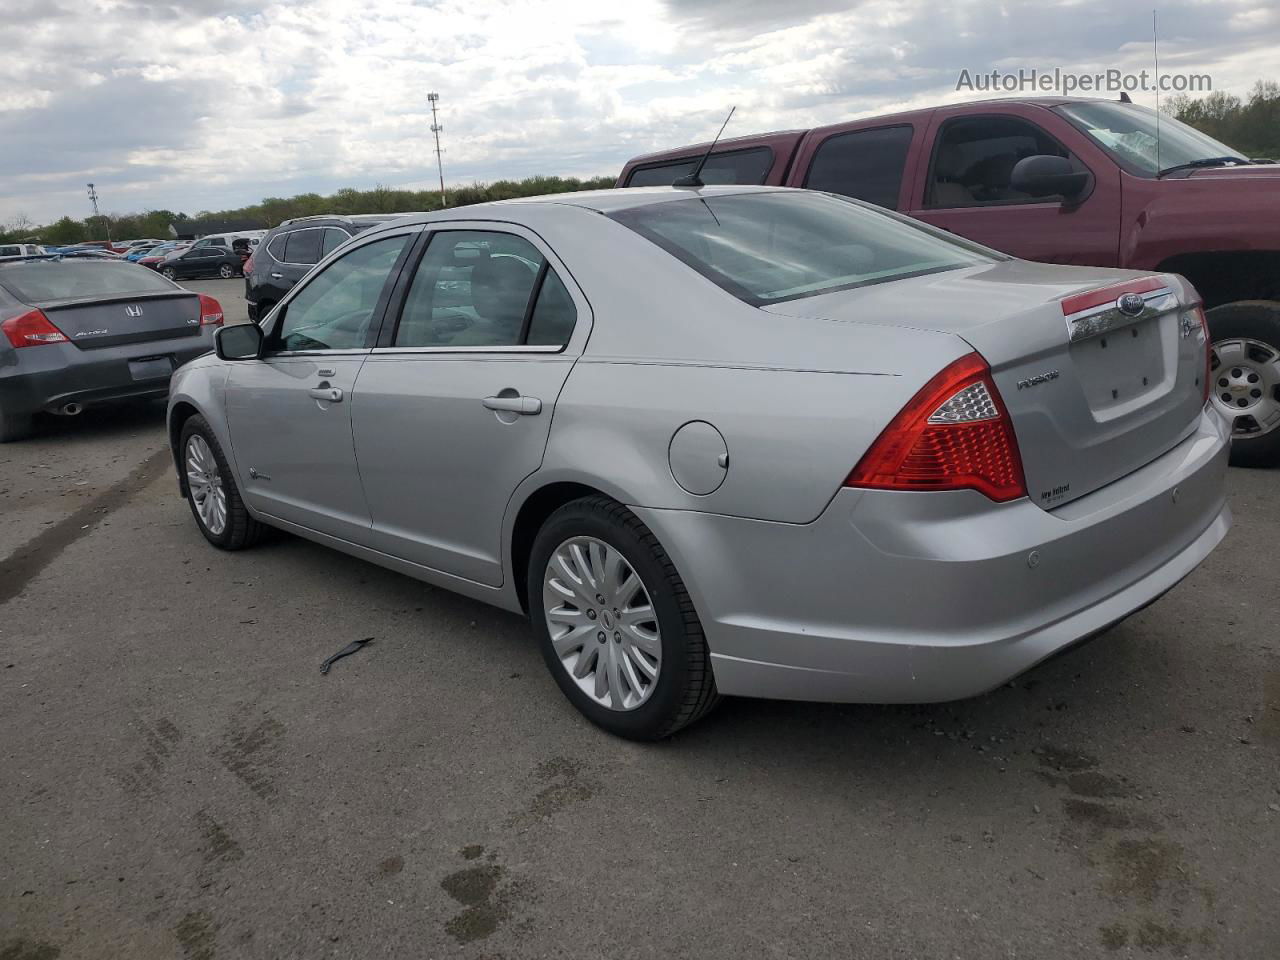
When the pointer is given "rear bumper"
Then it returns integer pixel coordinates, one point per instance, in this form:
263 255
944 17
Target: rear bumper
49 377
915 597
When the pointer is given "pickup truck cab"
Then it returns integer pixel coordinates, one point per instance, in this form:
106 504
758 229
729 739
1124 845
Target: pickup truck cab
1095 182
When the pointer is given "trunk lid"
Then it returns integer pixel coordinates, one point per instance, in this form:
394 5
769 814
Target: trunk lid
1094 393
94 322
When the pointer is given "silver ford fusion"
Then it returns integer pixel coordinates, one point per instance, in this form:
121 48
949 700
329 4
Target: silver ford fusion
748 441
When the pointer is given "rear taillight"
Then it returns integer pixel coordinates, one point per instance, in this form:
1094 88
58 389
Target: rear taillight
1208 350
954 434
210 311
247 267
32 329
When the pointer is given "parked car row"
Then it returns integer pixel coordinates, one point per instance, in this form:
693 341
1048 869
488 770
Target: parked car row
1061 180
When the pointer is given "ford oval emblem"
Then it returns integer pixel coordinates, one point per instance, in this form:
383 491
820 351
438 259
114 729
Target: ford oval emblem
1131 304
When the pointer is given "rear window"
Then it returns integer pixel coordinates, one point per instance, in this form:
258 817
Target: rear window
36 281
770 247
748 167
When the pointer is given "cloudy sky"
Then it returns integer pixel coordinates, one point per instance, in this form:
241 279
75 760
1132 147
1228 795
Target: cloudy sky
208 104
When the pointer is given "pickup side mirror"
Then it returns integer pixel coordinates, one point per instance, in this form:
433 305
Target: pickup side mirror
240 341
1044 176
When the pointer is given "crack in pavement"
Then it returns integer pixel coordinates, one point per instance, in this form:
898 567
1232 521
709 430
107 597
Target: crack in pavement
29 560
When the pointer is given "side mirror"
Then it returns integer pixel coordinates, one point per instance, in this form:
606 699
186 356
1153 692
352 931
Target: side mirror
240 341
1045 176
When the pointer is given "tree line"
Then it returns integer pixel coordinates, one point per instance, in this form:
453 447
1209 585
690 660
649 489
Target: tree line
1250 124
271 211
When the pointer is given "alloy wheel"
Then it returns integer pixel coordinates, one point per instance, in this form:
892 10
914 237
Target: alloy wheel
204 480
602 623
1245 385
226 272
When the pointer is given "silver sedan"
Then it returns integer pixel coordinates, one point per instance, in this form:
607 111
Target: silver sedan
745 441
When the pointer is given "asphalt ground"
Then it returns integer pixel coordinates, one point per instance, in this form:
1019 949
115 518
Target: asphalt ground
179 780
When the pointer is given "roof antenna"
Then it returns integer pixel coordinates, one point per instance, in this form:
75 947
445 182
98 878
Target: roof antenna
695 179
1155 55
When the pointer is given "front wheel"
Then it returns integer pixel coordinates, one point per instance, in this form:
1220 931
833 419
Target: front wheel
169 273
1245 379
615 622
211 489
226 271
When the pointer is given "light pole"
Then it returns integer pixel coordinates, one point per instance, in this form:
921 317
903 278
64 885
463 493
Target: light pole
93 198
433 99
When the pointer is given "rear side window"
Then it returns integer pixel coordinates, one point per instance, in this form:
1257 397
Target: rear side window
302 246
333 238
276 247
767 247
37 281
484 289
864 164
734 166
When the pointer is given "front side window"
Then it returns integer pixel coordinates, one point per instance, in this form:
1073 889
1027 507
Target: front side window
302 246
863 164
1134 137
474 288
749 167
974 160
335 309
768 247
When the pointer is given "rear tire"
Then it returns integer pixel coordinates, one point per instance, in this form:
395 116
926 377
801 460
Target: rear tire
15 426
1246 343
205 473
684 689
226 271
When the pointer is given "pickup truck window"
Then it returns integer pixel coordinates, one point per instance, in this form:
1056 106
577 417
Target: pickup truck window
1128 132
767 247
864 164
974 158
732 166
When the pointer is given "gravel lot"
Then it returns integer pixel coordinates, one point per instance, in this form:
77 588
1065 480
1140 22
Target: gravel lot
180 780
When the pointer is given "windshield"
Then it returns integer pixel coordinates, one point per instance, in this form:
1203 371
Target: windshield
1128 132
37 281
769 247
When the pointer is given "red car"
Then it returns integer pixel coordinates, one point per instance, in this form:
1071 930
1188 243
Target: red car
1093 182
160 253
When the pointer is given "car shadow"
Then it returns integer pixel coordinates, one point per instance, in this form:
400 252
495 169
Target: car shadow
100 422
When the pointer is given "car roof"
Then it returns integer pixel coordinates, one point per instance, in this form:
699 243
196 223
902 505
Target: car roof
598 201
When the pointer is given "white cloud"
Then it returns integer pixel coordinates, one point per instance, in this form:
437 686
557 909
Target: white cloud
191 104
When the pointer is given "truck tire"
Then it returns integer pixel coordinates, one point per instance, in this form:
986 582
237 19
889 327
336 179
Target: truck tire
1245 379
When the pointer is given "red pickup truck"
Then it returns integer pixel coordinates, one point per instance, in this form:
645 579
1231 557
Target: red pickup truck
1095 182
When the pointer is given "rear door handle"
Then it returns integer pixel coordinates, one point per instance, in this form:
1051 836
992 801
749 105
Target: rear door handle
528 406
331 394
277 276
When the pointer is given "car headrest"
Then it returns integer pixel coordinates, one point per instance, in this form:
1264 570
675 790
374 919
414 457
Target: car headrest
949 161
500 288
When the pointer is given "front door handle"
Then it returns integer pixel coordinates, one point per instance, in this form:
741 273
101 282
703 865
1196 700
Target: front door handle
331 394
528 406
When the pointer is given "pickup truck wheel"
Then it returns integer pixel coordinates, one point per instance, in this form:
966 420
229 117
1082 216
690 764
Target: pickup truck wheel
1245 378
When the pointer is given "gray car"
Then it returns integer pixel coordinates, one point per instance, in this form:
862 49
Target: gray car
734 440
77 332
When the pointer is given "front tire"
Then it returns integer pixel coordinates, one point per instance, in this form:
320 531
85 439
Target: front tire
211 489
596 571
169 273
1245 379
